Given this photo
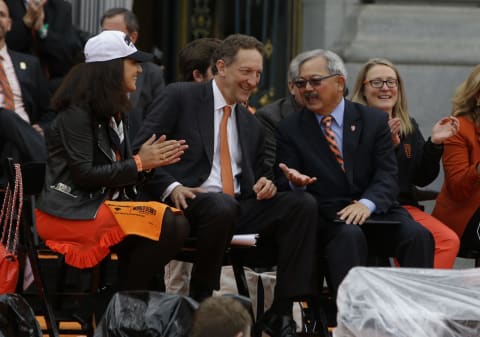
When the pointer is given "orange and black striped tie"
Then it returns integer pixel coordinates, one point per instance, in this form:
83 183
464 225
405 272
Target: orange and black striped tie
332 143
7 89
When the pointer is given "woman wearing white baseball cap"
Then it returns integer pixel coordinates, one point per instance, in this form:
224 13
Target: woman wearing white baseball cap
87 207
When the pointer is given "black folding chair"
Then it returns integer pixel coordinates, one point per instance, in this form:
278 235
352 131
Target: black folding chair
49 297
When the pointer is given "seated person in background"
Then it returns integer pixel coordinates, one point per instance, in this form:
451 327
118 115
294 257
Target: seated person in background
379 85
150 82
221 316
221 183
271 114
342 153
195 59
18 140
458 204
44 29
90 163
25 100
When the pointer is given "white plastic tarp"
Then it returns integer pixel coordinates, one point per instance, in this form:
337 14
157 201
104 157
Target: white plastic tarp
407 302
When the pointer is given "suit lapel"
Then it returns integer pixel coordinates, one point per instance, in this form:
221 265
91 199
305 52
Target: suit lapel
314 134
103 142
352 129
21 69
243 136
205 119
312 129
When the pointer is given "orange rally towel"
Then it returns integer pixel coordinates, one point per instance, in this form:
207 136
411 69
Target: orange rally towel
140 218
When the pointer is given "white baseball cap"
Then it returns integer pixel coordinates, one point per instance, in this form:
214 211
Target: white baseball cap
111 45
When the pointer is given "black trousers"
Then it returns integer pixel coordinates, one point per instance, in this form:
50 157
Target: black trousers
140 259
289 221
19 140
347 246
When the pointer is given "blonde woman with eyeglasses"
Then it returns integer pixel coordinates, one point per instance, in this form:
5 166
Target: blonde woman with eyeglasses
380 85
458 204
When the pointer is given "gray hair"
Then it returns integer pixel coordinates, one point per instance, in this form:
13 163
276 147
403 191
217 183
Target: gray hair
335 64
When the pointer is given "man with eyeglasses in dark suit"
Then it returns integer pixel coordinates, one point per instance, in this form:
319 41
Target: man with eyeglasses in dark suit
342 153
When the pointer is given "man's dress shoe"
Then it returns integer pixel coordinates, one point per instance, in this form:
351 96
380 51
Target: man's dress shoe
278 325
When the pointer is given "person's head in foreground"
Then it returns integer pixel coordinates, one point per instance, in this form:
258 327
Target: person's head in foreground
221 316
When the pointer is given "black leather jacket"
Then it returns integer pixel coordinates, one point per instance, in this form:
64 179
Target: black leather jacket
81 168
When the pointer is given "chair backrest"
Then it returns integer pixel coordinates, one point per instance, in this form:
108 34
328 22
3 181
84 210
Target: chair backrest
33 175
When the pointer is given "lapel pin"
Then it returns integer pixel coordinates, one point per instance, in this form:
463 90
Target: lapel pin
23 65
353 128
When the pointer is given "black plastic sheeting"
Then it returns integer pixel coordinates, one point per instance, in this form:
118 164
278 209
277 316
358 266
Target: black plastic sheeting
147 314
17 318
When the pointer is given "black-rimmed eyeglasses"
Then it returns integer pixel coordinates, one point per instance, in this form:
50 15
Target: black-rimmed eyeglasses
378 83
314 81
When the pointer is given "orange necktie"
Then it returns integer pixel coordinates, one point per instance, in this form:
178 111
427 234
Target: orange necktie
7 90
332 143
225 162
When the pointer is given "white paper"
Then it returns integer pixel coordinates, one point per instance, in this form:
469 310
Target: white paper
244 240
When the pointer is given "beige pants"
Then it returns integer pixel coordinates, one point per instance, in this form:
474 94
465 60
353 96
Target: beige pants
177 277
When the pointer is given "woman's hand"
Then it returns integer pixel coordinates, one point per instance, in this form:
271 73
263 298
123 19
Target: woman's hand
395 127
34 15
161 152
444 128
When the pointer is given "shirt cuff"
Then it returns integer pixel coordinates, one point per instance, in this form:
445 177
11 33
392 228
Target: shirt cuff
169 190
294 187
369 204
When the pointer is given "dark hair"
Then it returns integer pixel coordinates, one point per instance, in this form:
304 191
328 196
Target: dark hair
97 86
130 18
197 54
229 48
222 317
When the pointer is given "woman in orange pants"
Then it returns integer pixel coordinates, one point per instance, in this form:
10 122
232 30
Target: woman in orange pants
379 85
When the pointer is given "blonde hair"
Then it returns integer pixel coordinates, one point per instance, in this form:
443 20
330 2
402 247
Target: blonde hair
466 101
400 109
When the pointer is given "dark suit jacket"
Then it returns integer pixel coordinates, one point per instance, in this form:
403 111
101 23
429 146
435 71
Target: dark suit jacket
370 164
34 87
270 115
150 83
185 110
418 164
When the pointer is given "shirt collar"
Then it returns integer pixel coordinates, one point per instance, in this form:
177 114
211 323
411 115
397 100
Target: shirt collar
337 113
218 99
3 52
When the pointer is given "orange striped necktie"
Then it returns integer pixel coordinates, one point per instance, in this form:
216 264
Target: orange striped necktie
225 161
7 89
332 143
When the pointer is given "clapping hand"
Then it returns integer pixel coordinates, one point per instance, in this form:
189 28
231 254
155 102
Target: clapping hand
395 128
444 128
161 152
35 15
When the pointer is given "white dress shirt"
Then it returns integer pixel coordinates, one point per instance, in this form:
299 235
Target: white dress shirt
214 180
